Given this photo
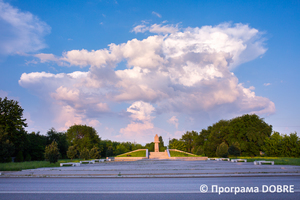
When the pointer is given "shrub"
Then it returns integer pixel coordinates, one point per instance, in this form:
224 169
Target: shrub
95 153
234 149
72 152
52 152
199 151
84 154
222 150
27 157
19 157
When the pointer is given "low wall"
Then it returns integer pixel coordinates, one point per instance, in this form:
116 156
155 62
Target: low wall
127 158
187 158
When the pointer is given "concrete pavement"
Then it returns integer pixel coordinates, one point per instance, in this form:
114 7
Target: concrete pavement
161 168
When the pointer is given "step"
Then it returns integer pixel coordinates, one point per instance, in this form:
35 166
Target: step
158 155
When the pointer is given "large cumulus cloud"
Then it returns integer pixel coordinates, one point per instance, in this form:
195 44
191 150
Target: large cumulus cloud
186 71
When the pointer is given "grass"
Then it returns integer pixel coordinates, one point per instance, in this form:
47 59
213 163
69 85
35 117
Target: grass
141 153
18 166
181 154
277 160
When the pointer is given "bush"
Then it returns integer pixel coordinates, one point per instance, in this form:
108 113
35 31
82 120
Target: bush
27 157
19 157
72 152
234 149
199 151
84 154
95 153
222 150
52 152
6 151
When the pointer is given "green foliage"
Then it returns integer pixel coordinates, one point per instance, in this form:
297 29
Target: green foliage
36 145
85 154
249 131
199 151
60 138
52 152
27 157
95 153
150 147
120 149
12 125
6 150
161 145
109 151
190 140
72 152
234 149
19 157
222 150
285 146
82 136
177 144
141 153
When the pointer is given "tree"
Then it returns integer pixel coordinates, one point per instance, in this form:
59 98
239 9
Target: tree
52 152
60 138
19 157
272 146
85 154
95 152
177 144
12 126
120 149
161 145
6 147
222 150
72 152
189 139
199 151
109 151
234 149
82 136
249 131
35 146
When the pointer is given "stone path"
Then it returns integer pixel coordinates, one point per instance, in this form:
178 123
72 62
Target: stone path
161 168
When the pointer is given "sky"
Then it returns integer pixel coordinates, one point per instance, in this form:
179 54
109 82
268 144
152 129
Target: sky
133 69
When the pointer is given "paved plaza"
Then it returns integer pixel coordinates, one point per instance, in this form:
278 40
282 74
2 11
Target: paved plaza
161 168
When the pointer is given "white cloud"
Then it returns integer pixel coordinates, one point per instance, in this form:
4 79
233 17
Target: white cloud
140 28
267 84
20 31
158 28
157 14
184 72
155 28
173 120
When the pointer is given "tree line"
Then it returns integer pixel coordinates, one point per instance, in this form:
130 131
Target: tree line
79 141
247 135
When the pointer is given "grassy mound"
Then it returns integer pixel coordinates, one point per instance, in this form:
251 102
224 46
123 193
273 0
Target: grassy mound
181 154
277 160
141 153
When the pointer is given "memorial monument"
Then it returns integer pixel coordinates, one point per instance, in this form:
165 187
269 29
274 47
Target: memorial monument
156 142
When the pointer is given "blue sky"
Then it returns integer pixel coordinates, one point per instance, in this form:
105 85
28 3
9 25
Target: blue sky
132 69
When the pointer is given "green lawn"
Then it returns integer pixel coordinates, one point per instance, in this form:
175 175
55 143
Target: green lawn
141 153
277 160
18 166
180 154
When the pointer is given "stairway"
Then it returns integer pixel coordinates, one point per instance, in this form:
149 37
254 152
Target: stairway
158 155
